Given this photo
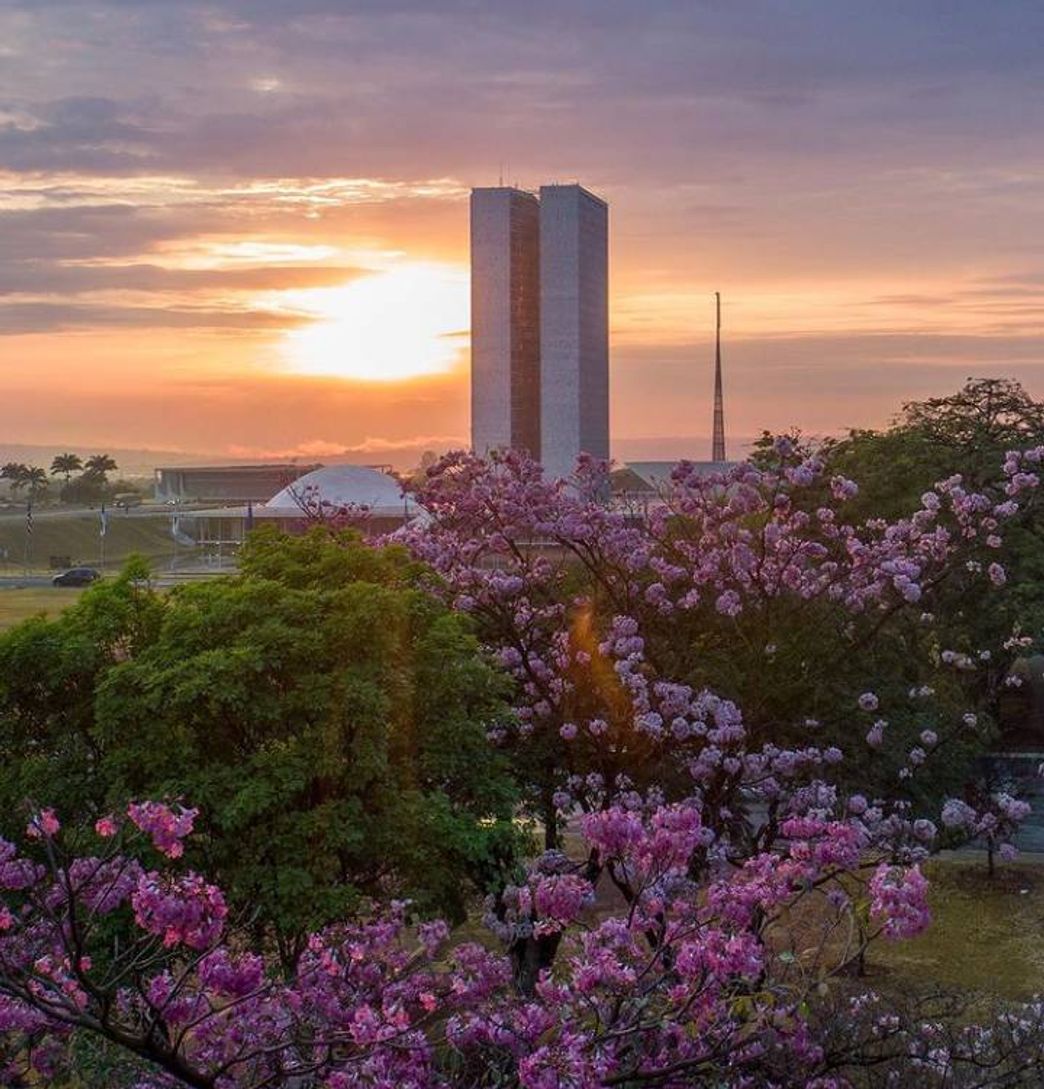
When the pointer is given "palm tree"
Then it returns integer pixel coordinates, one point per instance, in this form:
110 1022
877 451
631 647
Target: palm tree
66 464
99 466
35 480
16 472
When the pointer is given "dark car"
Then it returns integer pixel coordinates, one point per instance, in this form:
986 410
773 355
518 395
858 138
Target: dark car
76 576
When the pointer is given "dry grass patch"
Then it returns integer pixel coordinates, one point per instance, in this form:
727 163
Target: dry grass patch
20 604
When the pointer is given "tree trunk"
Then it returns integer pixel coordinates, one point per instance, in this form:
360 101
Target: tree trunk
551 837
529 957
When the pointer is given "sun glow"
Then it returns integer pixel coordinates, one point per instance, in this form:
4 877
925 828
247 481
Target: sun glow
408 321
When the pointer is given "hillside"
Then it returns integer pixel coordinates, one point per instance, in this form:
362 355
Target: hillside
76 537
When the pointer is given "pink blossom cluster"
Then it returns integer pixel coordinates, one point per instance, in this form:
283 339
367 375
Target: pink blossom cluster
182 910
43 825
183 990
165 825
624 988
899 899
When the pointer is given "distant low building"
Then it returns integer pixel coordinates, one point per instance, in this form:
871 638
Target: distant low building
649 479
371 500
225 483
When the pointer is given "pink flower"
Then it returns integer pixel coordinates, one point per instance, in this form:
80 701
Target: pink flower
559 899
958 814
183 910
729 603
106 827
165 826
875 735
899 898
43 825
842 488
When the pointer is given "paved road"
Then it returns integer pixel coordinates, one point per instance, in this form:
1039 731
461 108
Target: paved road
161 577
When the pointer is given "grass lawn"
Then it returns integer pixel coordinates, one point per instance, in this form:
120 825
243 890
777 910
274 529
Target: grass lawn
987 937
18 605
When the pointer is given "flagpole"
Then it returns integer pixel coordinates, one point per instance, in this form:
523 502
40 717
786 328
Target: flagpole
174 530
28 532
101 537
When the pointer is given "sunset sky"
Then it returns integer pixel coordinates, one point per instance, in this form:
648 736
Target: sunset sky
240 227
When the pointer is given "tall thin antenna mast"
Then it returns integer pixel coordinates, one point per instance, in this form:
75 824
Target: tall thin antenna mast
718 442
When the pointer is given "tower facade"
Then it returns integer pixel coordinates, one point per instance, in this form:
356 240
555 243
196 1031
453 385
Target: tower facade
505 320
540 324
574 327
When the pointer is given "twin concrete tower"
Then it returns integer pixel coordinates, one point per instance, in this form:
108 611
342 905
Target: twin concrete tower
540 324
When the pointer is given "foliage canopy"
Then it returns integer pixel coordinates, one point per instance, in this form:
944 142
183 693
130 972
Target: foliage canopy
328 717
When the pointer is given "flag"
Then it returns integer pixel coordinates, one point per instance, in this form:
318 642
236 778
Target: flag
104 526
29 517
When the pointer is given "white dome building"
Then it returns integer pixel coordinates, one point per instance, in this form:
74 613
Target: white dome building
342 488
367 499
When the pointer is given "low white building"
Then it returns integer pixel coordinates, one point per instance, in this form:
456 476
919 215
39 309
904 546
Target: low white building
225 483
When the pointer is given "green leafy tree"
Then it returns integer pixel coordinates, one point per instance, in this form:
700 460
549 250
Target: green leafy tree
328 718
967 433
49 672
86 489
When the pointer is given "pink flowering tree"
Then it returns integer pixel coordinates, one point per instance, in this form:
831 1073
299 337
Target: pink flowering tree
738 645
148 959
362 1008
991 819
721 638
690 983
316 509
